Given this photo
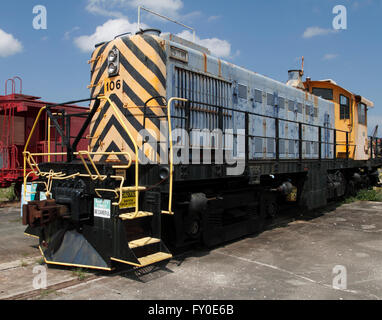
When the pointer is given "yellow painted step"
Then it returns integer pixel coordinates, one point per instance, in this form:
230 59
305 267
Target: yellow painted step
142 242
133 215
152 258
121 167
167 212
133 189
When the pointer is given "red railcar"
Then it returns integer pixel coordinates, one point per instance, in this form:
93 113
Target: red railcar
17 115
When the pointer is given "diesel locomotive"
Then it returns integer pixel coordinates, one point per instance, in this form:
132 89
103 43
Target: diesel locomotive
186 148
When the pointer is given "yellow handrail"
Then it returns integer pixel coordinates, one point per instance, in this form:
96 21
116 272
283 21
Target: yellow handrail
122 123
26 147
171 152
28 157
118 191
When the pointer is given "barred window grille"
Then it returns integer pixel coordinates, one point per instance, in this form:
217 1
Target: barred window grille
207 95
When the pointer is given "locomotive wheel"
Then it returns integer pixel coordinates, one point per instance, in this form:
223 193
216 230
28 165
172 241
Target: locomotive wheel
270 205
351 189
193 227
367 183
260 218
268 209
272 209
193 220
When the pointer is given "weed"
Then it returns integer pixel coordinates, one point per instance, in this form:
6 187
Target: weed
79 273
369 195
365 195
46 292
7 194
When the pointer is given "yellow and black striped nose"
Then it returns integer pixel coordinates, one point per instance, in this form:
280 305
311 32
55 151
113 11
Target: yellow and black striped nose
141 77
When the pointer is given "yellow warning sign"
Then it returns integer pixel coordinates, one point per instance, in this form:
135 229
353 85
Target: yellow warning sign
128 200
292 197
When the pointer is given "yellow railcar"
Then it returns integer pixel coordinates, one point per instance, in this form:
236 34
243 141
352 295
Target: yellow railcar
350 116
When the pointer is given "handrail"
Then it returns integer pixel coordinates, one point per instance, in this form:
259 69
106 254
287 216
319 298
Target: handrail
171 152
20 81
51 175
163 17
278 120
122 123
26 147
264 115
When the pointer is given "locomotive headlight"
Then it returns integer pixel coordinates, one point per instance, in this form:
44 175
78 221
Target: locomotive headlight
113 59
112 56
112 69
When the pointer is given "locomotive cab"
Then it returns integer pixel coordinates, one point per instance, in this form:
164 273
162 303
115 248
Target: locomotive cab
350 112
362 151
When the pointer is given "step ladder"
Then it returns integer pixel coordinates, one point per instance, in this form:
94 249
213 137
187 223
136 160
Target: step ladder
142 233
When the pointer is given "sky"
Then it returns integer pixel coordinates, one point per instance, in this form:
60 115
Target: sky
265 36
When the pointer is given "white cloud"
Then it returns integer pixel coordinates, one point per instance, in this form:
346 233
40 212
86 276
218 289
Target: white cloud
218 47
121 24
67 34
9 45
317 31
113 27
329 56
104 7
105 32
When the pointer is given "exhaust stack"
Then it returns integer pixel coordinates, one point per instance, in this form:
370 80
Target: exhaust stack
295 79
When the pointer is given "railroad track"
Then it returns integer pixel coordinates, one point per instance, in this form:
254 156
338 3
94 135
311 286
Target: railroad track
95 276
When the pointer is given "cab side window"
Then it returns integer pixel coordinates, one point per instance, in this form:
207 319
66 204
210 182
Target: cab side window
362 113
344 107
323 93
